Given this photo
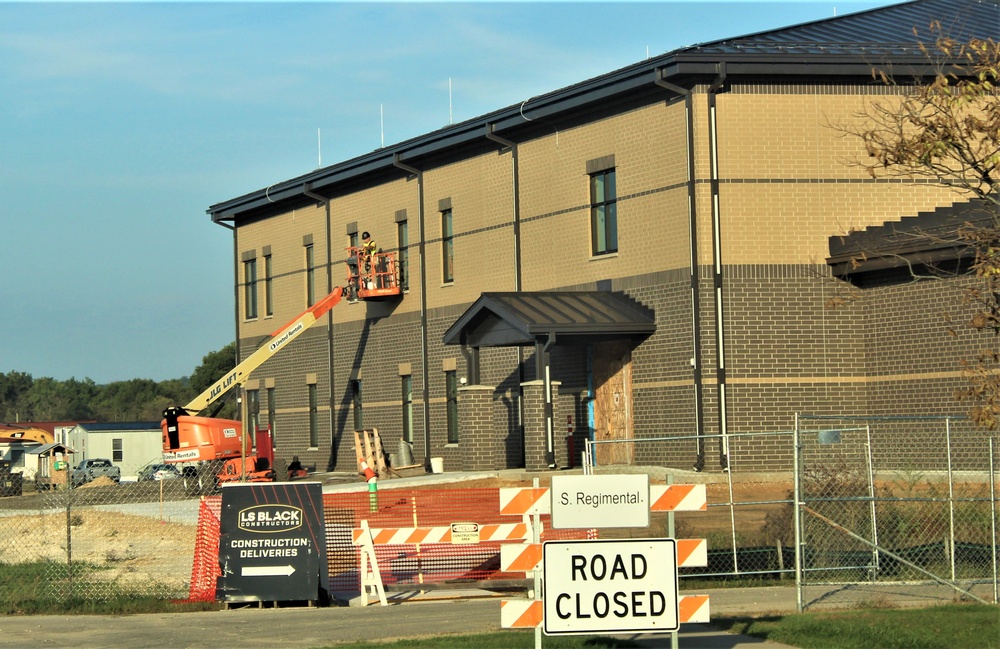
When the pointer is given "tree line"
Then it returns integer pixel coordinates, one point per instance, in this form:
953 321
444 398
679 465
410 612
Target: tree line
25 399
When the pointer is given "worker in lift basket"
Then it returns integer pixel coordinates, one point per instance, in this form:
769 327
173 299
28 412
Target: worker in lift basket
368 250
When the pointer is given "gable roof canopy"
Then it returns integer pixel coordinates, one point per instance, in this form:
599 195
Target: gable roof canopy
845 47
516 319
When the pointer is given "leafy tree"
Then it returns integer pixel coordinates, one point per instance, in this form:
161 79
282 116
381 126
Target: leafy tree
125 400
13 388
947 131
214 366
50 400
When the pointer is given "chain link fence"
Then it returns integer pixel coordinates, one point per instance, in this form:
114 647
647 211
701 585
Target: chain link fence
748 524
883 504
895 503
100 540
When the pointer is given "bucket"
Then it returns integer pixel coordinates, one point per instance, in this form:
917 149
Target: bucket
437 465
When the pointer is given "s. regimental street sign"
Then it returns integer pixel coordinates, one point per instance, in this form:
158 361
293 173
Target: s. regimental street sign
585 501
272 545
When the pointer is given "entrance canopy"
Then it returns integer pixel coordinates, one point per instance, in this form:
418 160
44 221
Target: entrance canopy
518 319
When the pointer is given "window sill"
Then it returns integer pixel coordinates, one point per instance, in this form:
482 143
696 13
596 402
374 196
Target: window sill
609 255
447 284
451 445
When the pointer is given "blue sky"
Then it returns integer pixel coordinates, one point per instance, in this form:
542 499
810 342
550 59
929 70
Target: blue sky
120 123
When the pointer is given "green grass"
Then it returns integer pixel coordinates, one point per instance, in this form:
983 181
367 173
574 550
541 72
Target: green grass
958 626
500 640
941 627
40 589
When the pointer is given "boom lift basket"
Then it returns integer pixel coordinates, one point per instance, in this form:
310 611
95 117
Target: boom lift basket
372 276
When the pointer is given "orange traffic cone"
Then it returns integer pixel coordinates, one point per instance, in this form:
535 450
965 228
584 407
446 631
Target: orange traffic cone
369 474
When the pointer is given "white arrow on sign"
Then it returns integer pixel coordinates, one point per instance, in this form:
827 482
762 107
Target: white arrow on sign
267 571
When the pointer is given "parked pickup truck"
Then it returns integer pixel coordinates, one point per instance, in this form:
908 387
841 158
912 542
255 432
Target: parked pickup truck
92 469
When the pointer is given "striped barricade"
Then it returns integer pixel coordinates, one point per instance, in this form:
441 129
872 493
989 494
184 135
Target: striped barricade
421 535
527 557
529 613
518 501
521 613
678 498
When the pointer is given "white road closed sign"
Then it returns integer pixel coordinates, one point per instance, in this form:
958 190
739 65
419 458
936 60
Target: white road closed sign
596 586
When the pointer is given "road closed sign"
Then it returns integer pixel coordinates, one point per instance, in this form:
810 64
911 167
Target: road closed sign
596 586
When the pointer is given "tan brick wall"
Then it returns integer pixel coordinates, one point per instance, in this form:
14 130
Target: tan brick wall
783 191
785 182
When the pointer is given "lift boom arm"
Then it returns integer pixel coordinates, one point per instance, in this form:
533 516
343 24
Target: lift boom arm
279 339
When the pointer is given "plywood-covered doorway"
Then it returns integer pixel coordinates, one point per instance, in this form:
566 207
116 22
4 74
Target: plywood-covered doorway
613 413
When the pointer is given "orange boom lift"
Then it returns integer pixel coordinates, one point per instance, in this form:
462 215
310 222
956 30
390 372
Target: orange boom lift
221 443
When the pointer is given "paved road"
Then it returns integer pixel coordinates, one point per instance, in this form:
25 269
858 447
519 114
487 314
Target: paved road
304 628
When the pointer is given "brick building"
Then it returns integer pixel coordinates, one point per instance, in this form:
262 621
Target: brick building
645 252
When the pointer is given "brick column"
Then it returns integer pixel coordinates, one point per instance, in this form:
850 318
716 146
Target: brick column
534 424
478 445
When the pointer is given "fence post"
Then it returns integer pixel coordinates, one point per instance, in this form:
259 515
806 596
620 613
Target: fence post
797 515
993 524
951 500
871 494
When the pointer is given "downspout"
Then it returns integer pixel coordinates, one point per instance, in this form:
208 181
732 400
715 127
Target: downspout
699 407
421 252
236 322
504 142
516 179
550 447
717 279
307 190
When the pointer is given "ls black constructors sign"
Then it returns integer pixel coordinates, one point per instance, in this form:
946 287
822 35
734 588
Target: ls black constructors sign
272 545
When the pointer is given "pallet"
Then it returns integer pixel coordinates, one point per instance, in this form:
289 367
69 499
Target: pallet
368 448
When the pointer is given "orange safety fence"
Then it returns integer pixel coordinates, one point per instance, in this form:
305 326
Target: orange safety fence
400 564
205 565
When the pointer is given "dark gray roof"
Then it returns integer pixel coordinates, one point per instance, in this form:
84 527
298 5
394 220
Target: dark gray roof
121 425
895 29
510 319
837 48
46 449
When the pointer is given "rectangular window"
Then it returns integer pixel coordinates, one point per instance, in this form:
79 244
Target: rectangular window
310 277
447 247
359 420
313 417
253 411
268 287
250 288
408 408
603 212
451 389
270 411
352 240
117 450
403 237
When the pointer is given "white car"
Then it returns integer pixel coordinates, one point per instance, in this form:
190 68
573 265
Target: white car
158 472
